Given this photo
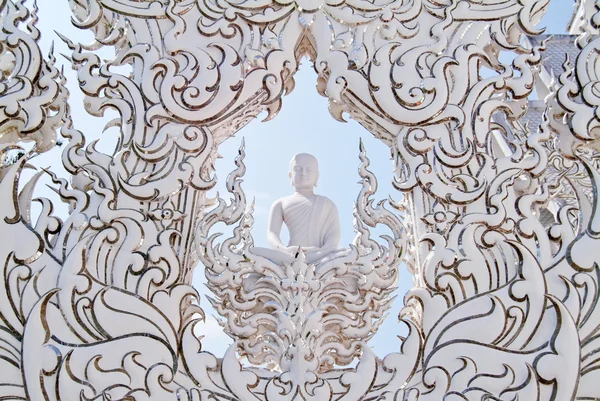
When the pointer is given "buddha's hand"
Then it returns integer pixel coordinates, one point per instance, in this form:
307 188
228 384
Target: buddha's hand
289 249
295 249
311 249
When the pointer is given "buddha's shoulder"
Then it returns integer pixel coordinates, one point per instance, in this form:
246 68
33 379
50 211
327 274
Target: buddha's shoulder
295 198
285 201
325 200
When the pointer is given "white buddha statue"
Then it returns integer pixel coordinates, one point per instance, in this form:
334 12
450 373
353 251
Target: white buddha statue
312 220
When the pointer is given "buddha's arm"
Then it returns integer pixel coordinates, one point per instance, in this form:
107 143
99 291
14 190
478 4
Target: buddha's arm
275 224
330 245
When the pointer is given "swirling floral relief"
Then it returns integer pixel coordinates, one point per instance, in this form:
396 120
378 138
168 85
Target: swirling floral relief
32 92
86 331
498 221
29 272
576 91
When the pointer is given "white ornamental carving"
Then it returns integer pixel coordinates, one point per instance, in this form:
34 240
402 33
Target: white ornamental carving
499 222
302 317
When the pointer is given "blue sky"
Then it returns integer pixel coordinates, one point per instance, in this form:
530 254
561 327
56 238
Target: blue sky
303 125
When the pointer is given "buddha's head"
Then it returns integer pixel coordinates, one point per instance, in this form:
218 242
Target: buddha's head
304 171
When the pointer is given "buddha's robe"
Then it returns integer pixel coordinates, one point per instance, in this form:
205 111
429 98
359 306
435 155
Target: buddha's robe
311 222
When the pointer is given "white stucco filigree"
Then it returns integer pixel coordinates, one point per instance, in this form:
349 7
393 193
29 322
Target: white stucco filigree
498 224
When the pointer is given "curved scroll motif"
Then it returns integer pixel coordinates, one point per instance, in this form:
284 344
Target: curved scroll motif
505 303
576 96
32 107
32 92
573 274
472 183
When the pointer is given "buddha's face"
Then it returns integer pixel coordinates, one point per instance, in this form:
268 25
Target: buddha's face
304 171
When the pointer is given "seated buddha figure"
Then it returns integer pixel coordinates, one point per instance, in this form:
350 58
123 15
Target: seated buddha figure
312 220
